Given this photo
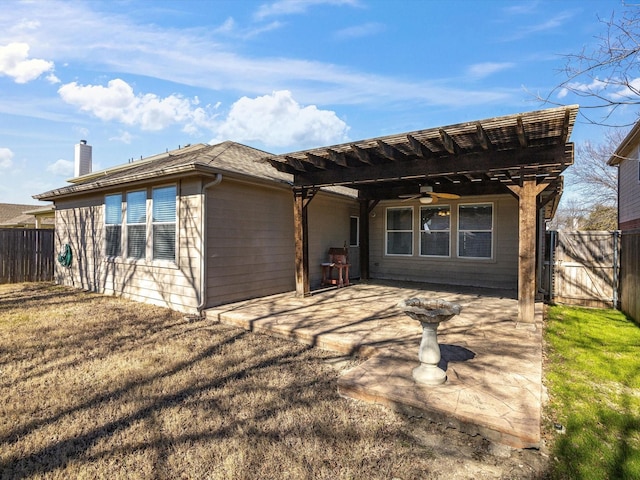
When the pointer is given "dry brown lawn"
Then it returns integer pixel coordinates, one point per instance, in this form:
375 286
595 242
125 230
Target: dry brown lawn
100 387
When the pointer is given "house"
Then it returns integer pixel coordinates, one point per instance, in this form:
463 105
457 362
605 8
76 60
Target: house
627 159
25 216
190 228
204 225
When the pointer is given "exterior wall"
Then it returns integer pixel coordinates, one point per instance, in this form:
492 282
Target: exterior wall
250 241
501 271
329 226
629 193
80 223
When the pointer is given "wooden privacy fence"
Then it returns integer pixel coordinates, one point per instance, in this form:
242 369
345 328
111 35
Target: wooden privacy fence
582 268
630 274
26 255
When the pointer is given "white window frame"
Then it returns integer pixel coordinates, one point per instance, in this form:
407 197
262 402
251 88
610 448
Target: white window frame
155 223
117 226
137 224
423 230
357 219
491 231
387 231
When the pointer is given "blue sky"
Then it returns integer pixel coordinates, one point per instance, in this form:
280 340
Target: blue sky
135 78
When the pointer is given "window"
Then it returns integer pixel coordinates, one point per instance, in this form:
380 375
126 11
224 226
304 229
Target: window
354 232
475 230
399 231
164 223
435 225
112 224
137 224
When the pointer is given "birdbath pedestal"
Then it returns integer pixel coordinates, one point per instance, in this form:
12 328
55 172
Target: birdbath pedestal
430 313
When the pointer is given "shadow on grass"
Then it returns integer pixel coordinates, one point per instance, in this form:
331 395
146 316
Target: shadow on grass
120 389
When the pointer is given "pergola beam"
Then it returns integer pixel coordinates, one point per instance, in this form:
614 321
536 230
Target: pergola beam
471 163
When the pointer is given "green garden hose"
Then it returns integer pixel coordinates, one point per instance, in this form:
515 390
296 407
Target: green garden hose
65 257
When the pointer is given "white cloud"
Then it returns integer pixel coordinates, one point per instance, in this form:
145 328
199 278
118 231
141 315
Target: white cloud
6 158
63 168
277 120
358 31
14 63
482 70
118 102
124 137
290 7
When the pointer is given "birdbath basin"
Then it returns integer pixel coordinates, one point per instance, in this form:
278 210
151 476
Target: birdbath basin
430 313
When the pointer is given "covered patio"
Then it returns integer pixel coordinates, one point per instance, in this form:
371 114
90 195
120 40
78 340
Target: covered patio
493 363
519 156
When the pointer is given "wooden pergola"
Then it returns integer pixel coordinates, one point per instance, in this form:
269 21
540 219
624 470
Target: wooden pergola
523 154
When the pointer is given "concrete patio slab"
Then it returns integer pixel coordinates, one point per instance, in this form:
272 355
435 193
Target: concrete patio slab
493 364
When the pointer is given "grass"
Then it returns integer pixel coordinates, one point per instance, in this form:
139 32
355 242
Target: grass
99 387
593 377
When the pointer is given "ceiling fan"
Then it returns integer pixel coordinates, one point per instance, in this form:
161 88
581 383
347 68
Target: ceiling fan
427 195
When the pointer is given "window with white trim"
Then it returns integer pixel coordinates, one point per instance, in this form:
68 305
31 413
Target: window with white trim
354 231
137 224
435 231
112 224
399 230
164 223
475 230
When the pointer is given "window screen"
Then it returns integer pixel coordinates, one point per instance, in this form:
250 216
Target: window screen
435 226
475 230
136 224
112 224
164 223
400 231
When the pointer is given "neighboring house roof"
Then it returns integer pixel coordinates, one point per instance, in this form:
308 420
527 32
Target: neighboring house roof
20 215
225 157
626 146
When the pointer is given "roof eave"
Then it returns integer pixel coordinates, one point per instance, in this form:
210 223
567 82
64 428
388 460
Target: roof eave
164 173
631 140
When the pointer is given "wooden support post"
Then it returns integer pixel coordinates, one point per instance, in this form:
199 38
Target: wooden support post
363 240
301 239
527 220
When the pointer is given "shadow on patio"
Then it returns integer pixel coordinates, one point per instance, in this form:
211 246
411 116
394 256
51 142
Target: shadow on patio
493 365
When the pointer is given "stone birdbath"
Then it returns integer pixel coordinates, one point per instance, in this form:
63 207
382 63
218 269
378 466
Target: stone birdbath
429 313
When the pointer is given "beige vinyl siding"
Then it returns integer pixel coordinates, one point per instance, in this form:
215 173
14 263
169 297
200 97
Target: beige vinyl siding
329 225
250 245
501 271
629 194
175 285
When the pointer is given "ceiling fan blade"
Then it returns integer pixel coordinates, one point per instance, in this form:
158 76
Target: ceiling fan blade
406 198
451 196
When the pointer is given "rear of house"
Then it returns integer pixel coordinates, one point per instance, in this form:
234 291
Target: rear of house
188 229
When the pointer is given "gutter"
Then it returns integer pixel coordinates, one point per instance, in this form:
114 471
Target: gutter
203 235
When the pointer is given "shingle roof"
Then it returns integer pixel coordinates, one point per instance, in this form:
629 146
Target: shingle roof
14 214
223 157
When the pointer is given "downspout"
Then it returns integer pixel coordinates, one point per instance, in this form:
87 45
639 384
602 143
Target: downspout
203 236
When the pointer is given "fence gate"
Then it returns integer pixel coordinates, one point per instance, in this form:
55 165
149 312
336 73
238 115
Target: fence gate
583 268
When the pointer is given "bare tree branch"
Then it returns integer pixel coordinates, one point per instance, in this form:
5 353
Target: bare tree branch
608 74
590 176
